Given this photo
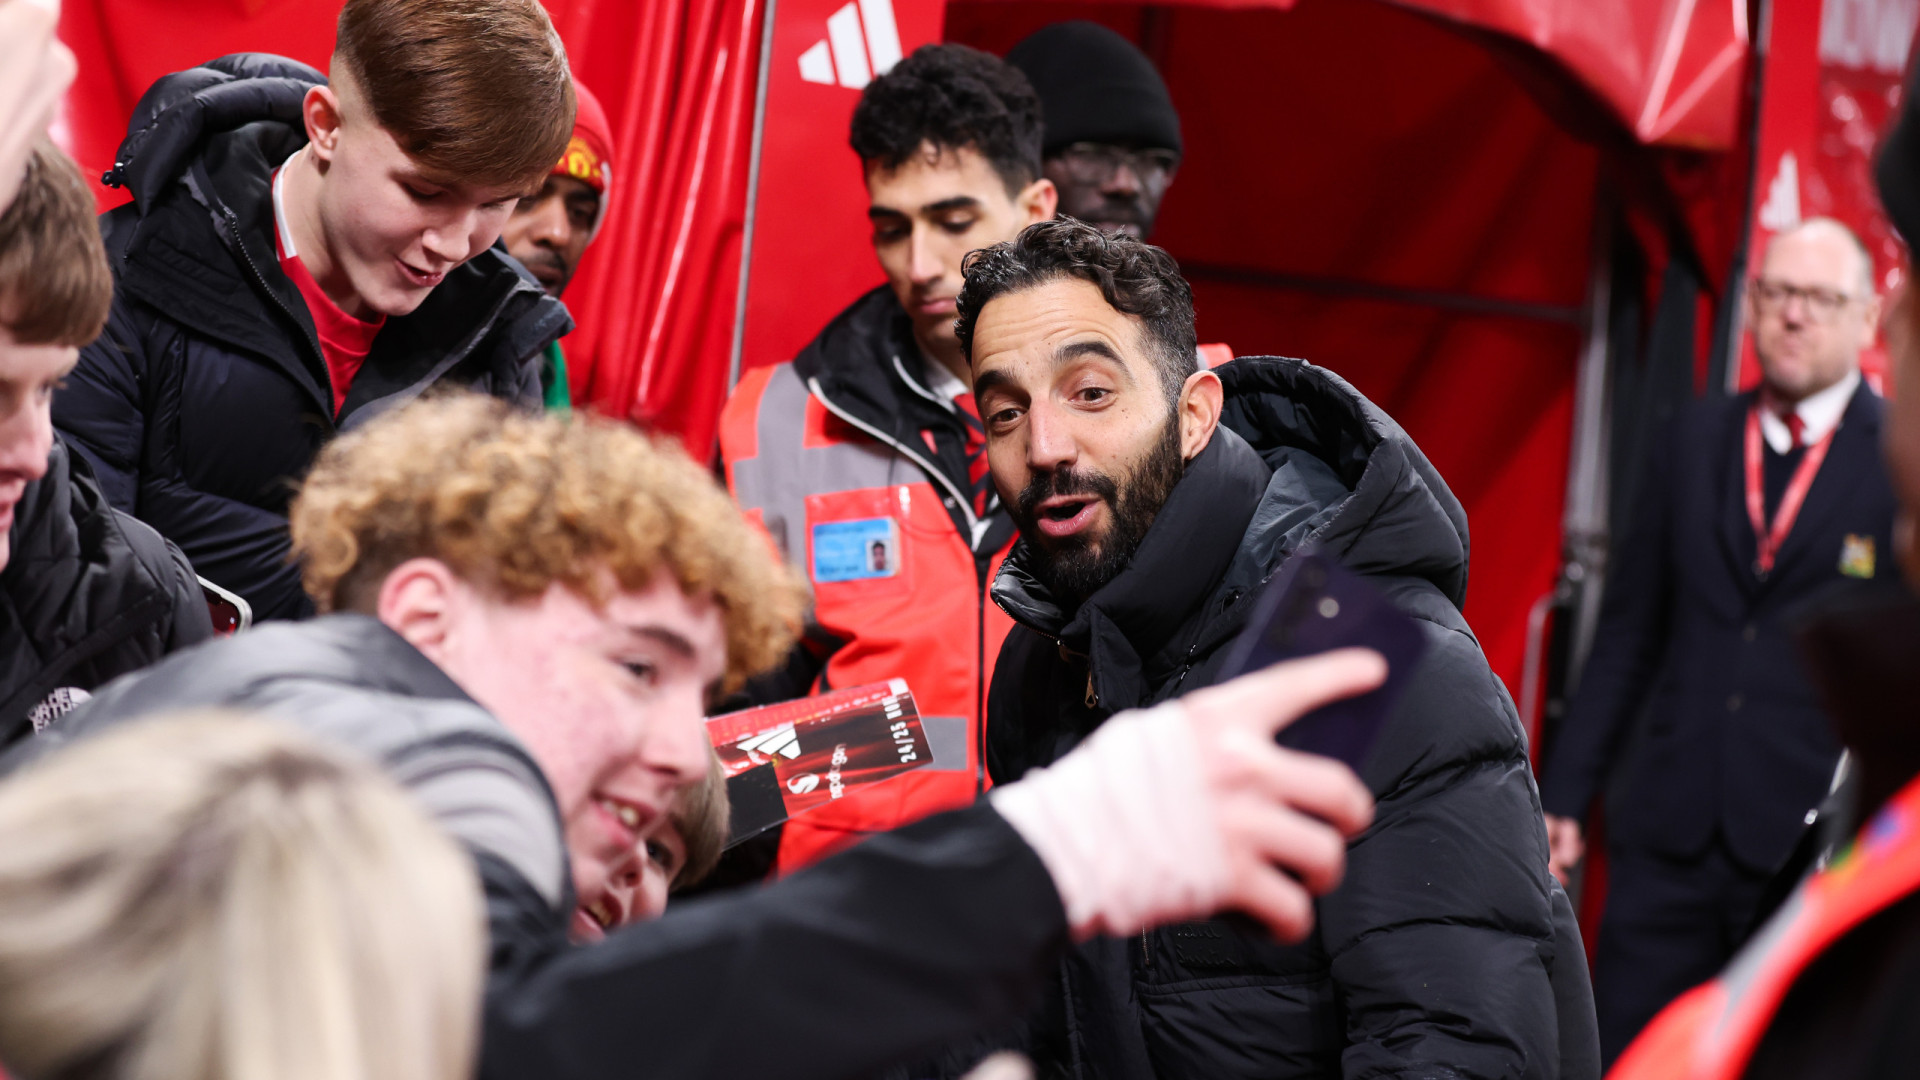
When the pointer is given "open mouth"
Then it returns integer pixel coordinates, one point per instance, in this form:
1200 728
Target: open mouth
627 814
592 920
586 928
1065 515
417 277
623 824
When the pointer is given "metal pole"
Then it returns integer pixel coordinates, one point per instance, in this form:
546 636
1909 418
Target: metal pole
1584 525
753 196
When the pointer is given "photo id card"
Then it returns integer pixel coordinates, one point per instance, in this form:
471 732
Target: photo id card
855 550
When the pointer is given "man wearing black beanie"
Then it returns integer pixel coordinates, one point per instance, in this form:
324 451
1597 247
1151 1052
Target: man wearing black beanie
1112 139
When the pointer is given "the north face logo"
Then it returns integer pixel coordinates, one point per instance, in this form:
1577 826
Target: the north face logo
58 704
862 41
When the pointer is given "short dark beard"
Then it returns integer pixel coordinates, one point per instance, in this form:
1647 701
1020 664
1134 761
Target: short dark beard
1075 568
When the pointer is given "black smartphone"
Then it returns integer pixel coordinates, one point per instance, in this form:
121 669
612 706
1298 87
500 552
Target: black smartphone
1314 605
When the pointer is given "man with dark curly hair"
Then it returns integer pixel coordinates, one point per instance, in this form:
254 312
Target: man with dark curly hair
1155 499
864 457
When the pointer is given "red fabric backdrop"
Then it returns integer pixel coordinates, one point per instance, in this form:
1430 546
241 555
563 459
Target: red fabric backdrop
1343 155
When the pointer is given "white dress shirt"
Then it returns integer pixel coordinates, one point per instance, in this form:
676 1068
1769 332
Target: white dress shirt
1819 413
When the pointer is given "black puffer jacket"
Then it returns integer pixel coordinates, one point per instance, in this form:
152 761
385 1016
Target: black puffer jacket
88 594
1449 951
208 396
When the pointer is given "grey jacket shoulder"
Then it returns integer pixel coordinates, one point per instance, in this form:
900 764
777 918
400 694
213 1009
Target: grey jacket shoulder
349 680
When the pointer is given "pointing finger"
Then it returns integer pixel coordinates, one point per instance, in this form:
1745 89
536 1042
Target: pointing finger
1281 694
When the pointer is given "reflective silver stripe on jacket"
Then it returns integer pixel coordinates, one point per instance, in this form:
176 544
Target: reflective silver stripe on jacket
784 470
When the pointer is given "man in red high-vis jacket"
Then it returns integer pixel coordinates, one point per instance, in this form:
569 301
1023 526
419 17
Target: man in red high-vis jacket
868 440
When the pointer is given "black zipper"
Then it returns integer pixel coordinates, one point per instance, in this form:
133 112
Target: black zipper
233 233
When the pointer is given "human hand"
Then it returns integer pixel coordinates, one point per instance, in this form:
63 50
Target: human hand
1190 808
1285 816
35 71
1566 846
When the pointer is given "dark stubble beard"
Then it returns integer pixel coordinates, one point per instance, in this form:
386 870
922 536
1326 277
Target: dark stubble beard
1076 567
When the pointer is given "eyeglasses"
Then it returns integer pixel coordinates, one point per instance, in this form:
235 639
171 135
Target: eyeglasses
1820 304
1097 163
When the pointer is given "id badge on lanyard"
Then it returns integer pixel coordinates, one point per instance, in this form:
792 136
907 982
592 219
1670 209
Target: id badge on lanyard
1769 536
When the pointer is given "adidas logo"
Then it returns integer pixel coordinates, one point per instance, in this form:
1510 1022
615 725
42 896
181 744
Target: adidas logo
843 56
1781 211
784 742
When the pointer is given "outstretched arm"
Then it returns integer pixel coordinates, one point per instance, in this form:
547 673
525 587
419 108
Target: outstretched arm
938 930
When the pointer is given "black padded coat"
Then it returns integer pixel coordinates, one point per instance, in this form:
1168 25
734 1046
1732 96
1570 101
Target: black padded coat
1448 951
88 594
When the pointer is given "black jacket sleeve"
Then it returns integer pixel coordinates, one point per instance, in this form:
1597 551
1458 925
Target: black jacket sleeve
100 410
192 622
1627 645
913 939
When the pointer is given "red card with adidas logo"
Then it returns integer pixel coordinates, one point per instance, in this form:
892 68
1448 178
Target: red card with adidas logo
786 759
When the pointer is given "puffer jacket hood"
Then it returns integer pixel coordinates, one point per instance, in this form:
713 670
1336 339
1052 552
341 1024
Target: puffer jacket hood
179 112
1396 515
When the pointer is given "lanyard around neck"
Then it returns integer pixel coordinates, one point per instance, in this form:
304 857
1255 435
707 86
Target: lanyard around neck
1769 537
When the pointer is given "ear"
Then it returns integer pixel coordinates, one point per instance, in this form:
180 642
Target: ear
1037 201
320 110
1870 320
424 602
1200 402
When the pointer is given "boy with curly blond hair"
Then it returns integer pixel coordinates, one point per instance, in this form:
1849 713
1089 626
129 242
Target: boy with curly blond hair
528 615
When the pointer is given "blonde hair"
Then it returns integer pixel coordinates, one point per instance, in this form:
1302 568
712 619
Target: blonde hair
213 897
515 501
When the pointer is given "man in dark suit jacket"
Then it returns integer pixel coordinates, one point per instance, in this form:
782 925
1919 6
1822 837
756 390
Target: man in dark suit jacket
1693 713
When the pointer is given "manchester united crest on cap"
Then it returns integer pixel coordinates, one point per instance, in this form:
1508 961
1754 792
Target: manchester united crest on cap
583 164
